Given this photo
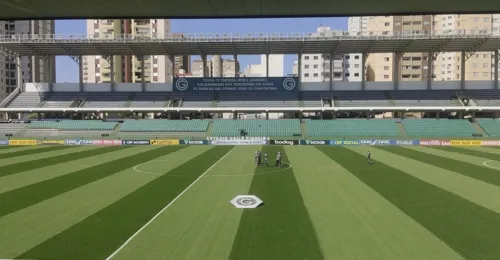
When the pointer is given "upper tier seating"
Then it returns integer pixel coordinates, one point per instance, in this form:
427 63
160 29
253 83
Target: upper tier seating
490 126
194 99
430 127
352 127
163 125
486 97
425 97
27 99
105 99
361 98
11 128
60 99
257 99
150 99
257 127
313 98
74 125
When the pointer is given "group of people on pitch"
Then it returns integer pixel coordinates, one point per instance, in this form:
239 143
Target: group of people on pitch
258 156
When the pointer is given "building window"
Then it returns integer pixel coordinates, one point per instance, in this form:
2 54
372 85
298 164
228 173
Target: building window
386 59
315 66
306 57
474 74
306 75
347 75
387 24
336 75
386 67
347 66
356 57
315 75
356 74
315 58
306 66
347 57
356 66
386 76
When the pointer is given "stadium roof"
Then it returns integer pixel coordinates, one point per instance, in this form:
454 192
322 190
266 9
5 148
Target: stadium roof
245 43
59 9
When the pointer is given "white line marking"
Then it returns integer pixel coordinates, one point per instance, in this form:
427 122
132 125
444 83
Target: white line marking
150 162
485 163
166 207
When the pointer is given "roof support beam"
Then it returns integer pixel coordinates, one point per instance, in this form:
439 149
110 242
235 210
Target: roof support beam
36 51
440 48
10 56
405 48
72 54
473 50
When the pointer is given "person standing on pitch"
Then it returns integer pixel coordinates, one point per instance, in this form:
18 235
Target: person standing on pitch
278 159
256 157
265 159
369 157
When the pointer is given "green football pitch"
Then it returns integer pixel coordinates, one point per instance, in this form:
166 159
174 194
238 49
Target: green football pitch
173 202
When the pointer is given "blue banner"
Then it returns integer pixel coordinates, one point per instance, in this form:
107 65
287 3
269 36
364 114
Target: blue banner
78 142
375 142
4 142
193 142
135 142
263 84
405 142
314 142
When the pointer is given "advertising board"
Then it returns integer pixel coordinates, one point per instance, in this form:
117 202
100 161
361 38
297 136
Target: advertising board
193 142
164 142
238 142
284 142
490 142
435 142
136 142
4 142
22 142
50 142
314 142
241 84
466 142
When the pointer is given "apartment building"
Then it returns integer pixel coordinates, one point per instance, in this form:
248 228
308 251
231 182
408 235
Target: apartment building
157 68
216 67
316 67
276 67
33 69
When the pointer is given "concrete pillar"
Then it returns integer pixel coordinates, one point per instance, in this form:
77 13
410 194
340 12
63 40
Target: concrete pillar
430 70
71 115
395 70
112 72
267 115
172 61
204 61
473 116
202 115
80 72
437 114
299 66
462 70
331 71
495 73
52 72
236 67
363 61
83 116
169 115
267 65
235 115
19 73
143 74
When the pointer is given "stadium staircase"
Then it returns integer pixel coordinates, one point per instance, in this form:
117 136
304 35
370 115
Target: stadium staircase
116 130
336 102
390 99
130 98
210 128
401 129
480 129
168 103
303 129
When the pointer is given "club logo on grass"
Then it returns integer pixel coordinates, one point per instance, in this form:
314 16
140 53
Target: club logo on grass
246 201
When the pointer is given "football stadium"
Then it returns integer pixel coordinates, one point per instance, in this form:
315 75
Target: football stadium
246 167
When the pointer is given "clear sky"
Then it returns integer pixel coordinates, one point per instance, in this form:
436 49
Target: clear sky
67 69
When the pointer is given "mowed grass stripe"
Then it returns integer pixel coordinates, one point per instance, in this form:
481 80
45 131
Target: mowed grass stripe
282 228
20 198
44 149
31 226
471 230
481 173
39 163
99 235
470 152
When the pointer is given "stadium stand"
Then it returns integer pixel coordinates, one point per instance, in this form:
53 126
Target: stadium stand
60 99
425 98
257 127
163 125
11 128
485 97
431 127
490 126
150 99
28 99
105 99
314 98
70 128
256 99
196 99
361 98
352 127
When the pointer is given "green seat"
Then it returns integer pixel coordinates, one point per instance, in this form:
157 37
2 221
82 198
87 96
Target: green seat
75 125
432 127
257 127
352 127
163 125
490 126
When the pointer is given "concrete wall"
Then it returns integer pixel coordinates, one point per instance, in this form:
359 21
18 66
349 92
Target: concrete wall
305 86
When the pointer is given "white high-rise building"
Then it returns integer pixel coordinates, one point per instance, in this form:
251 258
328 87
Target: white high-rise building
276 67
316 67
157 68
33 69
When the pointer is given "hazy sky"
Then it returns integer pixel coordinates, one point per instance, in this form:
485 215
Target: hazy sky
67 69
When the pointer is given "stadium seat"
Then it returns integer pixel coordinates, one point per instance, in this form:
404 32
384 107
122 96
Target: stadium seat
257 127
74 125
163 125
438 127
352 127
490 126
